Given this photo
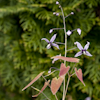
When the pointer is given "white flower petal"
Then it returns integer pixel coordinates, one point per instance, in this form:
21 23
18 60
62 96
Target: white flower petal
78 45
78 54
88 54
79 31
56 45
45 40
87 45
53 38
48 46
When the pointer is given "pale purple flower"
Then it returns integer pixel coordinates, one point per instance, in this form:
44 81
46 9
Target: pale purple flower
51 30
72 13
55 59
83 50
79 31
88 98
49 71
54 13
50 43
57 2
68 32
57 14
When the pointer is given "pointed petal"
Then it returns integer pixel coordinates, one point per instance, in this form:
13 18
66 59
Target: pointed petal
55 59
68 32
63 69
79 45
43 88
48 46
79 75
78 54
55 45
79 31
69 59
35 79
45 40
56 83
88 54
87 45
53 38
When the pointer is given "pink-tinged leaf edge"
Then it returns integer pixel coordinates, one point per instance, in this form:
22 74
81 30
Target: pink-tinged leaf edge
69 59
43 88
35 79
79 75
55 84
63 69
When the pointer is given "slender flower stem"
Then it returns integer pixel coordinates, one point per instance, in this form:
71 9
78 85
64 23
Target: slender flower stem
67 85
65 46
49 86
50 73
73 68
59 43
41 92
71 49
57 28
56 97
72 74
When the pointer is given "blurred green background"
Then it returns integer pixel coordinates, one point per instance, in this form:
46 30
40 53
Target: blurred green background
23 55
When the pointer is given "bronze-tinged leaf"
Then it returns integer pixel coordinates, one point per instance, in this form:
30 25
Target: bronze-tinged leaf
56 83
35 79
69 59
63 69
43 88
79 75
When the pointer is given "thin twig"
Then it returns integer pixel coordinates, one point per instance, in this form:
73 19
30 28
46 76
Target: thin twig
72 74
67 86
59 43
57 28
71 49
40 91
50 73
50 86
73 68
56 97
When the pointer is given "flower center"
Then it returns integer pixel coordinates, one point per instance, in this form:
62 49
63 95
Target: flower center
83 51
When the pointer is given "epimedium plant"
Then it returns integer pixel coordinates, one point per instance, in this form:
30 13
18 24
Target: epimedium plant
63 71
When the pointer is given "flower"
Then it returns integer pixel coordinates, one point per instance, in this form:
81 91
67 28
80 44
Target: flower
79 31
72 13
83 50
50 43
88 98
57 2
51 30
68 32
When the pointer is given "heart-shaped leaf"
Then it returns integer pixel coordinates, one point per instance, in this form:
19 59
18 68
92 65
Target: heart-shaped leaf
43 88
63 69
69 59
35 79
56 83
79 75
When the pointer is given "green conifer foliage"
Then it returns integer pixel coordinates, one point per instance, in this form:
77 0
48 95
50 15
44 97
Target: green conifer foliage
23 55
